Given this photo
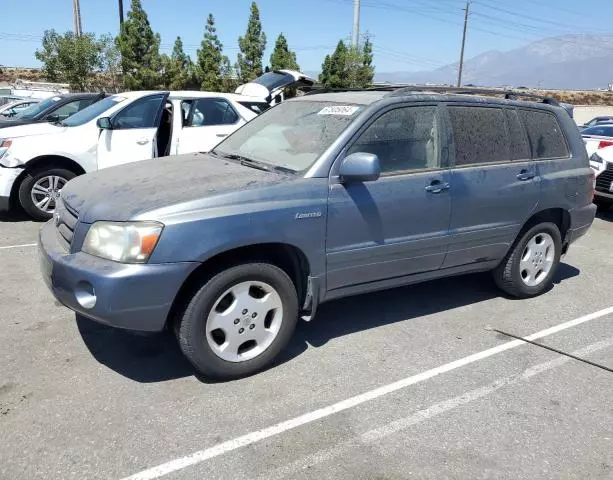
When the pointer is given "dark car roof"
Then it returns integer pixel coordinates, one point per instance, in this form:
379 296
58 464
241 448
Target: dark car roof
79 96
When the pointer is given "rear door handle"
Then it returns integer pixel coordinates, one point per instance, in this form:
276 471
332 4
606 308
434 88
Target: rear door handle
143 141
437 187
525 175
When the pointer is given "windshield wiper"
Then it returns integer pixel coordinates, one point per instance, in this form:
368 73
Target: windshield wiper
247 162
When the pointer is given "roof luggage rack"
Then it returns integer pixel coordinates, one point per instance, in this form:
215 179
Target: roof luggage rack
401 90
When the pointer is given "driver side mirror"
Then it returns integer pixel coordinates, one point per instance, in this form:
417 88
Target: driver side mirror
104 123
360 167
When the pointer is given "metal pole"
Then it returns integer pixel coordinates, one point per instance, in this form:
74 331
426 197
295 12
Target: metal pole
76 10
355 34
120 14
463 44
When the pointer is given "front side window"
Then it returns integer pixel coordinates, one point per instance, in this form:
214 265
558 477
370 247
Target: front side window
208 112
403 139
291 135
480 135
545 134
94 110
142 113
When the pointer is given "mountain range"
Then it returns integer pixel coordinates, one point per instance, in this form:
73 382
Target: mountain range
573 62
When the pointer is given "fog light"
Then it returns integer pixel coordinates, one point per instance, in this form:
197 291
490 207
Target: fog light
85 295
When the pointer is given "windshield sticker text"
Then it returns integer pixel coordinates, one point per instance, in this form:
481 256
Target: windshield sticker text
339 110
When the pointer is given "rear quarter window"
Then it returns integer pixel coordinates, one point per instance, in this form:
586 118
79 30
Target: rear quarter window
480 135
544 134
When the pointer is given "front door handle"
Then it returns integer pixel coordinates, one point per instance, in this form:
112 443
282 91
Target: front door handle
143 141
222 135
437 187
525 175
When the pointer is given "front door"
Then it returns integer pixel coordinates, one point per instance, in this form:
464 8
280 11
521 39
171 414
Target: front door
133 134
207 122
495 187
397 225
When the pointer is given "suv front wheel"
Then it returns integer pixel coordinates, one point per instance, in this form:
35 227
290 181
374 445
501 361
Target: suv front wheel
529 268
239 321
40 191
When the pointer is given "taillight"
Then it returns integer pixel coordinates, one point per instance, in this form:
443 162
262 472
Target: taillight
605 143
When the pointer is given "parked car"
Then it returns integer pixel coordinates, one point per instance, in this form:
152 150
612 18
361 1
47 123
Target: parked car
320 197
601 162
9 110
37 160
273 86
4 99
52 109
596 120
597 137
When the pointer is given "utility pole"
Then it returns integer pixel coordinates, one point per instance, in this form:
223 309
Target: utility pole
463 43
76 11
120 14
355 34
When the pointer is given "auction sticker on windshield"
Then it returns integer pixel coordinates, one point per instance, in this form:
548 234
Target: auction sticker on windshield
339 110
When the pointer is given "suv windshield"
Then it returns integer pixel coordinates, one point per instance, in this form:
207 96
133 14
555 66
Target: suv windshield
37 108
93 111
291 135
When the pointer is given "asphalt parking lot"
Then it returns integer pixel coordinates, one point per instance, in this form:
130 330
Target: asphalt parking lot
409 383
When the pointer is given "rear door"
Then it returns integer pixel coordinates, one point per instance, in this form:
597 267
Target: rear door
207 121
132 137
494 184
398 225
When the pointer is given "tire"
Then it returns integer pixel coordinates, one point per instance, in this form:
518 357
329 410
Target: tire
211 306
603 204
509 275
31 179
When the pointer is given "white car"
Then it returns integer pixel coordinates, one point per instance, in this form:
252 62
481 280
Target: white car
37 160
601 162
597 137
12 108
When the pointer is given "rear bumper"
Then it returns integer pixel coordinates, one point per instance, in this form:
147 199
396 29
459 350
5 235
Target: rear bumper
581 220
134 297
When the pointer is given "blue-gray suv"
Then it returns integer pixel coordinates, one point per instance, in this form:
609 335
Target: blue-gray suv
323 196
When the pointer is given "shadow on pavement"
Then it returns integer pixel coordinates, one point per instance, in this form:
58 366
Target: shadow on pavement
156 357
15 216
605 215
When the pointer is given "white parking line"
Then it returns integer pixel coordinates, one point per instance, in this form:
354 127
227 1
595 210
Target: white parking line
253 437
18 246
375 435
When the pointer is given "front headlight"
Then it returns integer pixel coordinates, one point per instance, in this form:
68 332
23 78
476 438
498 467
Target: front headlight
125 242
5 159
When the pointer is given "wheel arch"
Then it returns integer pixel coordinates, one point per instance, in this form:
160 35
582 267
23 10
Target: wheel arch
558 216
50 160
287 257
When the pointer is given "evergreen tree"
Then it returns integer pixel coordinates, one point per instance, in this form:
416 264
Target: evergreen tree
282 56
367 70
252 47
334 68
210 58
140 50
348 67
178 68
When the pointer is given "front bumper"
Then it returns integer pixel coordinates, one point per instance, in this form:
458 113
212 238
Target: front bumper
134 297
7 179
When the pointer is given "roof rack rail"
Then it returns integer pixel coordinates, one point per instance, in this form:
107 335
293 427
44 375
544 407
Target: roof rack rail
508 94
400 90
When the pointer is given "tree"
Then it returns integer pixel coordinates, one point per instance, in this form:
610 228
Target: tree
140 50
252 47
282 56
178 68
210 58
348 67
110 61
70 58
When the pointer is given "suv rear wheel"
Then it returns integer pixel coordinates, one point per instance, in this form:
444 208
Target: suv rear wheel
239 321
529 267
40 190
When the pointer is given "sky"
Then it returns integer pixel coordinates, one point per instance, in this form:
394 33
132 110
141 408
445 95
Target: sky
408 35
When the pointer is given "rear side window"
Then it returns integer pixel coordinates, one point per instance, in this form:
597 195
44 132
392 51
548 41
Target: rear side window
480 135
519 149
544 134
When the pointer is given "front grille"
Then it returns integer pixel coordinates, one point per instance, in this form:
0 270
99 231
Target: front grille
603 181
66 221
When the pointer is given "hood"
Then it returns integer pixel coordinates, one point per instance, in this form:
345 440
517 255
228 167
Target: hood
121 193
270 84
31 129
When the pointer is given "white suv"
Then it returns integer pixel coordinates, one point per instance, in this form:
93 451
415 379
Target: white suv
37 160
